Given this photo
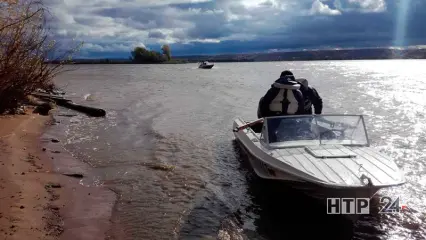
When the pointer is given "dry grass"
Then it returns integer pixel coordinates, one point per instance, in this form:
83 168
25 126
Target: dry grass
25 46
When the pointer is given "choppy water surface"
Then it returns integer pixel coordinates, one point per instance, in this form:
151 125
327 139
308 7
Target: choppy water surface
181 116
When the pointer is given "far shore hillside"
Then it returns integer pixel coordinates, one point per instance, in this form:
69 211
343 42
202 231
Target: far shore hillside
309 55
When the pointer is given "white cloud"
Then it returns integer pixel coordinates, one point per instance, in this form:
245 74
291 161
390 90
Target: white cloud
319 7
371 5
361 5
107 24
127 3
261 3
117 25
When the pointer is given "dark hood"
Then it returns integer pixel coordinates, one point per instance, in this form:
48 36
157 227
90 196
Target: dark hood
286 82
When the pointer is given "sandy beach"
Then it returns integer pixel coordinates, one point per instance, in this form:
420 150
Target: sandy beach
37 202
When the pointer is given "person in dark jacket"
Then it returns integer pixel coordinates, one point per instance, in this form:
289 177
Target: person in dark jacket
283 98
311 98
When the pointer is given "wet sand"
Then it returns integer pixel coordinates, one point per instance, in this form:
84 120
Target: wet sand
37 201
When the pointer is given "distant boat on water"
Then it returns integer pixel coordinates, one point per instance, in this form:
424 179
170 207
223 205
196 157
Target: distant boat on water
205 65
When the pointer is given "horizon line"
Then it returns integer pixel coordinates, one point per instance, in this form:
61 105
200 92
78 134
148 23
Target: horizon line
269 51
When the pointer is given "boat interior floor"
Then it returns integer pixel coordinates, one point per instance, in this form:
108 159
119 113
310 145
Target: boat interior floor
257 128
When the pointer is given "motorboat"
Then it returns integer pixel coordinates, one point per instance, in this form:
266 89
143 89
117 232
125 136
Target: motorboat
205 65
325 156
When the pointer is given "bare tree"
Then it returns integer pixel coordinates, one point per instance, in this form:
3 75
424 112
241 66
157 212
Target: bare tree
25 48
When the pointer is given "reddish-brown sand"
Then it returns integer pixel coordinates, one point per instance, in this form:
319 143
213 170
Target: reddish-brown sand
35 201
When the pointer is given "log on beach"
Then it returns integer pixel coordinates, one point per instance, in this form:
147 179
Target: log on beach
91 111
61 101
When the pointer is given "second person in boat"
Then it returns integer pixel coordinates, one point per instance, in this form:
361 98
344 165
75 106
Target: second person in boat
311 96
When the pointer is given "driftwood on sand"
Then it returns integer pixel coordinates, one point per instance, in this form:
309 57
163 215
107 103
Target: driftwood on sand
61 101
42 107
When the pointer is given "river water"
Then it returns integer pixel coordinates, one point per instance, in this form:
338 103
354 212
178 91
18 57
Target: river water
180 117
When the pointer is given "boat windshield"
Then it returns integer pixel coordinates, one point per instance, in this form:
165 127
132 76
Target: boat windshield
315 130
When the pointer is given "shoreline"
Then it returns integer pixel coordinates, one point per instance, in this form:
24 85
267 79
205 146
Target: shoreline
241 61
37 201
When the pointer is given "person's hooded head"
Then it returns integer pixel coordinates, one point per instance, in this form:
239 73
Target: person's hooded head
286 80
288 75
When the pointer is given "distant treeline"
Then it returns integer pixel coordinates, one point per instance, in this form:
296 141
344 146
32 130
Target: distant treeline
139 55
144 56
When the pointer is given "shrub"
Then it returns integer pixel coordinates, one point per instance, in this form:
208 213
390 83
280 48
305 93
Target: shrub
25 45
142 55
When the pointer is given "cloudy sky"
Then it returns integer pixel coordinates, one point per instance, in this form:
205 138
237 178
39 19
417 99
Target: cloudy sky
111 28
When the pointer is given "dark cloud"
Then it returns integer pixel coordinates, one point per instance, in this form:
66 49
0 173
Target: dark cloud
350 30
155 17
237 25
156 34
210 25
200 5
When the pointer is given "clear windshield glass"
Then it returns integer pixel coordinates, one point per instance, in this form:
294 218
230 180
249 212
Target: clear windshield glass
317 129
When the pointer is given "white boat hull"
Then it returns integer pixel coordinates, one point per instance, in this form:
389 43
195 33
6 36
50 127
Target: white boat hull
206 65
311 190
320 178
264 171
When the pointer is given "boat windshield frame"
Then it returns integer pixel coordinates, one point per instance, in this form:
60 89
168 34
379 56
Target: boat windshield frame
317 140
